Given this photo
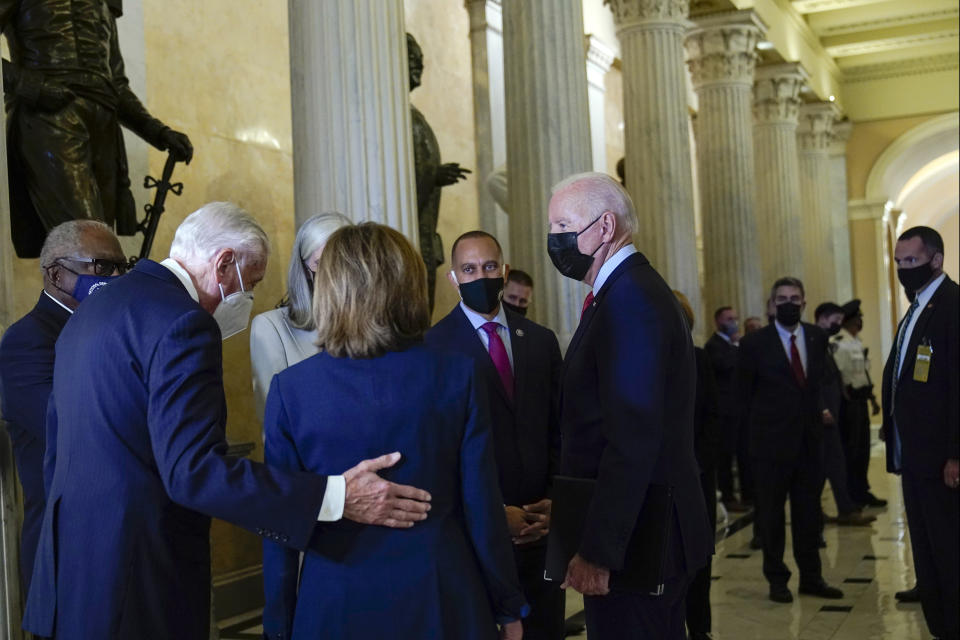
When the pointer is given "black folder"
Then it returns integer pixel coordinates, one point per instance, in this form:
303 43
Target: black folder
644 563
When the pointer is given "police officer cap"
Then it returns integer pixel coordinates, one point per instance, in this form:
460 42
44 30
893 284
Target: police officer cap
851 309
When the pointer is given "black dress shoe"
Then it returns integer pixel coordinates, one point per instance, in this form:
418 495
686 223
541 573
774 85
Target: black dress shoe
780 593
910 595
821 590
874 501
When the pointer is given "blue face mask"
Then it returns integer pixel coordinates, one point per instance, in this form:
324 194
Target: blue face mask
86 284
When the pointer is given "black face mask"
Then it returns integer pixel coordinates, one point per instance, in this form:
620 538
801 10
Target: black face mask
512 307
483 294
788 314
833 330
913 279
566 255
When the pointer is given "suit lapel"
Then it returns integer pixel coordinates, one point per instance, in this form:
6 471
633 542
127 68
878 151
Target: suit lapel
519 344
920 329
469 336
776 346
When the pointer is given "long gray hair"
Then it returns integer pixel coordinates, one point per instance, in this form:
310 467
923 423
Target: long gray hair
313 234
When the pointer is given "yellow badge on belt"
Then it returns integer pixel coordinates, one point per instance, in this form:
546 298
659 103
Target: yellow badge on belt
921 369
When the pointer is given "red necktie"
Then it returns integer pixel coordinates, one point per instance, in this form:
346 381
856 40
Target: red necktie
498 353
586 303
796 363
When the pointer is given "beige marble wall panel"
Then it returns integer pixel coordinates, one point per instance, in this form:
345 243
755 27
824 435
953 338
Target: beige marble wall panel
613 118
445 98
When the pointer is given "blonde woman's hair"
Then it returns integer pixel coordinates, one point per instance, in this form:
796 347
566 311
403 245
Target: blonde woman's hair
370 293
686 307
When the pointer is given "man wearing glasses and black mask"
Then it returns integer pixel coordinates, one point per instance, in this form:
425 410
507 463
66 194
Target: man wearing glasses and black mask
78 257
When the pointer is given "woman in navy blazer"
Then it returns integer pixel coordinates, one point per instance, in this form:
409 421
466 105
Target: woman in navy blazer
375 387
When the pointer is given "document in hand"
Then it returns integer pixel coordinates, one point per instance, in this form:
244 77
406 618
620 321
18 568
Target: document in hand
644 563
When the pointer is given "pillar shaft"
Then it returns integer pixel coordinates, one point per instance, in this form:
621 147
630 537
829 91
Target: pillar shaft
813 139
599 58
657 136
722 57
775 109
352 143
548 139
839 210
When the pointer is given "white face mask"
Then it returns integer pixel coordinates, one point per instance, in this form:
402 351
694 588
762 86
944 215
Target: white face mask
233 312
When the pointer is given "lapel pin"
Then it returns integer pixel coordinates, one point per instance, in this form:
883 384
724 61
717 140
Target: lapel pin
519 333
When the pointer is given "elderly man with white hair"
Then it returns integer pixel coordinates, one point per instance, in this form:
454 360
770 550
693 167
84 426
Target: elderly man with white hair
137 459
626 417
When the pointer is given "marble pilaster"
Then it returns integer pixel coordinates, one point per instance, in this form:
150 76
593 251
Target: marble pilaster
776 104
838 201
352 143
486 48
548 133
599 59
722 56
813 142
658 165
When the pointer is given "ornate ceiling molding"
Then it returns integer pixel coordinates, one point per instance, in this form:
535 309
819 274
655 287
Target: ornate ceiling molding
908 67
842 28
886 44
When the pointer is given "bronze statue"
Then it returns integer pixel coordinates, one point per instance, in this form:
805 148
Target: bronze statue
431 175
66 96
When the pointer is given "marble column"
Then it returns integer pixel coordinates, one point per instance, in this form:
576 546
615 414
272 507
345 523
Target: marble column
813 140
548 133
776 103
486 47
838 201
657 136
599 58
722 56
349 81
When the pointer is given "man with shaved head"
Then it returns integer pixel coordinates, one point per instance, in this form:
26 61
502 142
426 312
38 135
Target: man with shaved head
78 257
626 414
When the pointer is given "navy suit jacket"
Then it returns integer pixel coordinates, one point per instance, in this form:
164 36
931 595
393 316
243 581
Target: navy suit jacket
778 413
927 414
136 464
26 378
526 431
627 416
449 576
723 358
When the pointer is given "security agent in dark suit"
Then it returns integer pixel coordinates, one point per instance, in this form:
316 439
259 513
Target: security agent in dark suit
781 372
921 420
722 348
626 411
522 396
77 256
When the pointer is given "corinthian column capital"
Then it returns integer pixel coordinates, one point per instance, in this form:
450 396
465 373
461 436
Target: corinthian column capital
839 135
815 126
776 93
722 48
636 13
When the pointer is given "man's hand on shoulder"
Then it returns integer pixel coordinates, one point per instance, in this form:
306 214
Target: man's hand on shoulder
587 578
369 499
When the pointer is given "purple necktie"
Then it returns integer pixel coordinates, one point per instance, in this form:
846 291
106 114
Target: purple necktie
498 353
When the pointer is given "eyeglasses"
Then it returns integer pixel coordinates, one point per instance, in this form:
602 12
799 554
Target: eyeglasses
102 266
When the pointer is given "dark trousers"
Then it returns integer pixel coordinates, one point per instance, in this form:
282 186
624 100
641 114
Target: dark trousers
745 467
932 516
855 423
726 454
698 595
546 599
633 616
802 481
835 469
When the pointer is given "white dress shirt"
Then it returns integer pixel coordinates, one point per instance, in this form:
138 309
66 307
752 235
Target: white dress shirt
334 497
503 330
801 342
612 263
923 299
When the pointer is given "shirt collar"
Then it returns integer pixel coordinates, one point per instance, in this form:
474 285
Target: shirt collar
69 310
785 335
612 263
478 320
724 336
924 296
182 276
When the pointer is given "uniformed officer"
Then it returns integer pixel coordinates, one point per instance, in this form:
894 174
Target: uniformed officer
851 359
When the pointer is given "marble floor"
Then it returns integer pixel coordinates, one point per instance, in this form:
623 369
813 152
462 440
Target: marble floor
870 564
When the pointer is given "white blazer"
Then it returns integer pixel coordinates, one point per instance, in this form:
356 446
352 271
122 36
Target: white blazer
275 344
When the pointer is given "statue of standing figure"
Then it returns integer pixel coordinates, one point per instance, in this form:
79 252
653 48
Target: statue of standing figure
431 174
67 95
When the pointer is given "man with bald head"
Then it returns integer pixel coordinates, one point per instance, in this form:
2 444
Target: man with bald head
626 414
77 258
